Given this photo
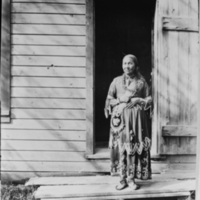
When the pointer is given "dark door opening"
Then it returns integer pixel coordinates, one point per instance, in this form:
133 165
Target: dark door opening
121 27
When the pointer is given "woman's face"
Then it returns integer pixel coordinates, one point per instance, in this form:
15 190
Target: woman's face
128 65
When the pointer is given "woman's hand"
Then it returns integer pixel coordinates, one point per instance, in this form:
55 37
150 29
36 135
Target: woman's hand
124 98
135 101
143 101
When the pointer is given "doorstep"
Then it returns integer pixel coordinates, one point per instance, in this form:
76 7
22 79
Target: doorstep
103 187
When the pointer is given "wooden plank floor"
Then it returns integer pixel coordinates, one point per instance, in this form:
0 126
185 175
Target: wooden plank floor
103 187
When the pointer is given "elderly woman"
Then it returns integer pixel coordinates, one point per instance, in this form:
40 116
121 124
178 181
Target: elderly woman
127 101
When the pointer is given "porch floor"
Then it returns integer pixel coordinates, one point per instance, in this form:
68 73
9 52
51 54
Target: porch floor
163 186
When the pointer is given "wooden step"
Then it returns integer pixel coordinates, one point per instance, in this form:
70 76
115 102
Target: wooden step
147 190
103 179
161 196
103 187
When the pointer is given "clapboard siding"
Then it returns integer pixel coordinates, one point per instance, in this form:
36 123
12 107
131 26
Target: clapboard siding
48 88
52 1
43 156
47 8
48 40
48 61
22 145
45 135
48 71
47 114
91 166
47 82
40 29
50 51
48 19
54 103
31 124
48 92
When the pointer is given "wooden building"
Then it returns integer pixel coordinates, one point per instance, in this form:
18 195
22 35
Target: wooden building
58 58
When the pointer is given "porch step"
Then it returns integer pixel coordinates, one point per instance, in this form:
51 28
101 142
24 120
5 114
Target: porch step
160 196
103 187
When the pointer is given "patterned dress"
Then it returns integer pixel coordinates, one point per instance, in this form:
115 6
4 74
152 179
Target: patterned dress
129 140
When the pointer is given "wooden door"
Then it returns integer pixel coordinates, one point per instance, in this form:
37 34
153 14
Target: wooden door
175 76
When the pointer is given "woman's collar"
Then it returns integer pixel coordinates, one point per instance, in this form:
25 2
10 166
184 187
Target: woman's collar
132 76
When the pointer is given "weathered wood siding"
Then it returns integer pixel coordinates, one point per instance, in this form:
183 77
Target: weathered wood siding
47 132
177 75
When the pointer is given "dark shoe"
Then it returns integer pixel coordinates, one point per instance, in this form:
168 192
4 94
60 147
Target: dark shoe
122 184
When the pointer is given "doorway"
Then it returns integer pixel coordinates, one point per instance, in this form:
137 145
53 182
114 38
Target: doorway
121 27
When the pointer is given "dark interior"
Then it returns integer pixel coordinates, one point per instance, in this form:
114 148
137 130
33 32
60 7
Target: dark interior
121 27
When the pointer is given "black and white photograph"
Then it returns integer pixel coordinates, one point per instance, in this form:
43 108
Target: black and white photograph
100 100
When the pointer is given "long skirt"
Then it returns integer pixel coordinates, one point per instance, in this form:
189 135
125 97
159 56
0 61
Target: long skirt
130 143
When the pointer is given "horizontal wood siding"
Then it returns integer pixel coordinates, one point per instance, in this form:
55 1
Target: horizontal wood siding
43 103
44 7
52 114
48 72
48 19
17 145
44 124
48 88
48 92
48 40
44 135
38 29
63 82
50 51
41 156
52 1
55 166
48 61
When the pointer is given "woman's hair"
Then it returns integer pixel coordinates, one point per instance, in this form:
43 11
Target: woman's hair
135 60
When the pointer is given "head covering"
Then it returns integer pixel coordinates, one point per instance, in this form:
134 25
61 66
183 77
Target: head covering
137 70
135 60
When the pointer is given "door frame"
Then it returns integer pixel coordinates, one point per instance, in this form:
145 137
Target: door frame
90 83
156 37
90 72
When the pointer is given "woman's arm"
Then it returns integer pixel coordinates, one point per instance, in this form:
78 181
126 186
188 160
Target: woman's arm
145 100
111 99
134 101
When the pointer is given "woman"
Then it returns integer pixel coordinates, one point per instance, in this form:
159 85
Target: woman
127 101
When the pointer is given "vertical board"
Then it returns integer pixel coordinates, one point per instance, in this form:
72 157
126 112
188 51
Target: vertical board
198 136
177 69
155 34
90 60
